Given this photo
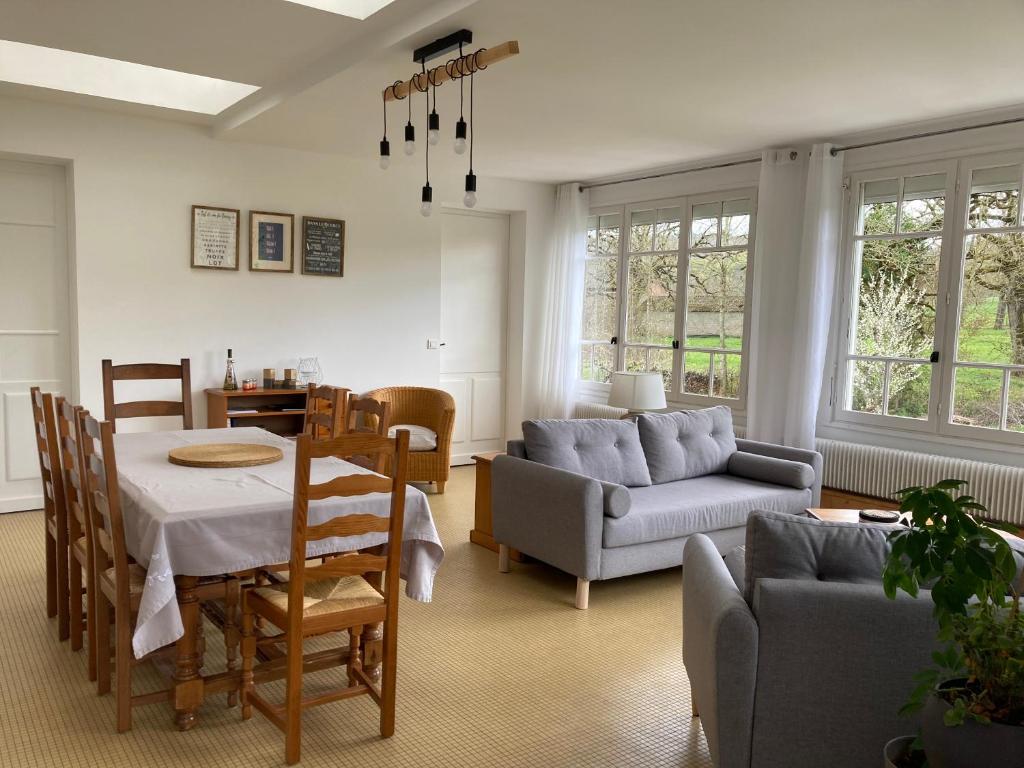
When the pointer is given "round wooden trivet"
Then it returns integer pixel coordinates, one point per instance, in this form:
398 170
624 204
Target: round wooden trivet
225 455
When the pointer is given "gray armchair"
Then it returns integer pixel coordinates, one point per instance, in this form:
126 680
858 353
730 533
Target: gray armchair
796 658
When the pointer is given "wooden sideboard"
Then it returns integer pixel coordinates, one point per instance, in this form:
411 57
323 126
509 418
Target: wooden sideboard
481 533
281 411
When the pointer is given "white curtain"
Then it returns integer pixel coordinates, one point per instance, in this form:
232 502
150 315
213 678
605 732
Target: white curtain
817 275
799 209
563 303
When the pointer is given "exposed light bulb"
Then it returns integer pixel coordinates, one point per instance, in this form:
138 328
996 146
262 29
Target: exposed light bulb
385 154
425 209
469 199
433 128
385 162
460 137
433 137
427 198
410 138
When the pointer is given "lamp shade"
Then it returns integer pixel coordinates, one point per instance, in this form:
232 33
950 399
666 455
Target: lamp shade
637 391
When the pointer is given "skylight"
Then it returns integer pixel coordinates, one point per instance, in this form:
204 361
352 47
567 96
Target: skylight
112 79
356 9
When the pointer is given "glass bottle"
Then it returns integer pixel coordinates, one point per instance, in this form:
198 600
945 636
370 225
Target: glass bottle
230 382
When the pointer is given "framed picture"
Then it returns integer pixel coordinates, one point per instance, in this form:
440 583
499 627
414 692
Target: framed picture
323 246
270 242
215 234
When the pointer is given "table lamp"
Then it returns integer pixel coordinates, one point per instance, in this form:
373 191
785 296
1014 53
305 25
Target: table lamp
637 392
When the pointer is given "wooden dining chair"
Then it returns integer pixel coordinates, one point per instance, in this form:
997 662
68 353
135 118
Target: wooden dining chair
325 411
54 510
368 416
113 411
80 557
343 593
119 579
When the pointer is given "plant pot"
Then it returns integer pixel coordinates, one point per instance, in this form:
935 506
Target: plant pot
896 749
969 745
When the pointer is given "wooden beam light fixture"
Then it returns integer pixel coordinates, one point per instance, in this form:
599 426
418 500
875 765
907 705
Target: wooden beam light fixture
427 80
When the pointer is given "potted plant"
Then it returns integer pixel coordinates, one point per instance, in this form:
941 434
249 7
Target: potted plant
973 700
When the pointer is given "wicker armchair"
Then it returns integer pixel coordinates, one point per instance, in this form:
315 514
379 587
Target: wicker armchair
430 408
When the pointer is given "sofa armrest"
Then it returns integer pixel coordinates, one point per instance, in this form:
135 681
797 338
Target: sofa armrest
550 514
811 458
835 658
719 652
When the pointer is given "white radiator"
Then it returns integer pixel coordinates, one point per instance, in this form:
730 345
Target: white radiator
596 411
872 471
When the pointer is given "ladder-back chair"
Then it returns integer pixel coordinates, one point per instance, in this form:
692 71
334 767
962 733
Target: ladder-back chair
54 510
113 411
325 411
372 417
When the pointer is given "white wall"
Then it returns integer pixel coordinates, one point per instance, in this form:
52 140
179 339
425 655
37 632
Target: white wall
137 299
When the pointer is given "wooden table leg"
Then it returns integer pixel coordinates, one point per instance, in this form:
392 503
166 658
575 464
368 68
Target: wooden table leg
188 685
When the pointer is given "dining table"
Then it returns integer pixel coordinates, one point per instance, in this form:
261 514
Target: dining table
185 523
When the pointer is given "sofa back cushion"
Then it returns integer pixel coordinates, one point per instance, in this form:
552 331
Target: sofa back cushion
605 449
784 546
687 443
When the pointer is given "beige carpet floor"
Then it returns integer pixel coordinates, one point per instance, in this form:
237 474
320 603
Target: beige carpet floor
499 670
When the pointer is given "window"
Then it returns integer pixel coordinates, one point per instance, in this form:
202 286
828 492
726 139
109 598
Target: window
934 337
682 313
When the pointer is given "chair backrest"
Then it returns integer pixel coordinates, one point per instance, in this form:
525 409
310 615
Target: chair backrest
352 563
423 406
372 417
104 501
74 474
48 448
146 372
325 411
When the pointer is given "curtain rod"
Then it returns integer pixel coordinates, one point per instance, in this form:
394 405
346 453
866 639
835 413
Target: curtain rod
671 173
1010 121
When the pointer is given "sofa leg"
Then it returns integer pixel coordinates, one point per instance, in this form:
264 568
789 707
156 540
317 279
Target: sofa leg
693 705
582 594
503 558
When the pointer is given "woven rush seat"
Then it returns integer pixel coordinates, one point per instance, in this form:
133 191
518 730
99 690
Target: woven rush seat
325 596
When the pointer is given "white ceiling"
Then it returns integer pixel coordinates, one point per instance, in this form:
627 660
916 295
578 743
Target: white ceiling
600 87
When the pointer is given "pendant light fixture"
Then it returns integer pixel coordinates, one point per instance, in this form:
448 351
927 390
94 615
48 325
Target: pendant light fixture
427 196
410 132
460 126
469 199
426 81
385 145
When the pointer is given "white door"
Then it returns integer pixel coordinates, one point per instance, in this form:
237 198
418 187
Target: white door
34 308
474 289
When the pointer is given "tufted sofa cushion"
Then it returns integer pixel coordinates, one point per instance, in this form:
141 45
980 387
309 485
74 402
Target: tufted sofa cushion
605 449
783 546
687 444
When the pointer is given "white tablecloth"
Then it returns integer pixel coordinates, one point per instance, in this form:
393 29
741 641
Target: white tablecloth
203 522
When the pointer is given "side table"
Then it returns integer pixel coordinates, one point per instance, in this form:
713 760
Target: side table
482 531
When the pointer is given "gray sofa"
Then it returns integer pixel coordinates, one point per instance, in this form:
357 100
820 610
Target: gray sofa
796 658
603 498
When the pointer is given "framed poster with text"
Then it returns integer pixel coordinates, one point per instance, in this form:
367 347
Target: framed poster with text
215 237
270 242
323 246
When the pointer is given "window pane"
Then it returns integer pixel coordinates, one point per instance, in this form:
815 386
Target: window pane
866 385
597 361
995 196
608 234
666 231
909 387
992 301
716 294
977 397
651 302
924 203
878 208
644 359
696 373
735 222
641 231
896 301
599 315
1015 406
704 225
727 376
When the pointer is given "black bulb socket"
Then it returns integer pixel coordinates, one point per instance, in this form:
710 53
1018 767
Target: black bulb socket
434 121
460 129
385 148
471 182
410 132
428 194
